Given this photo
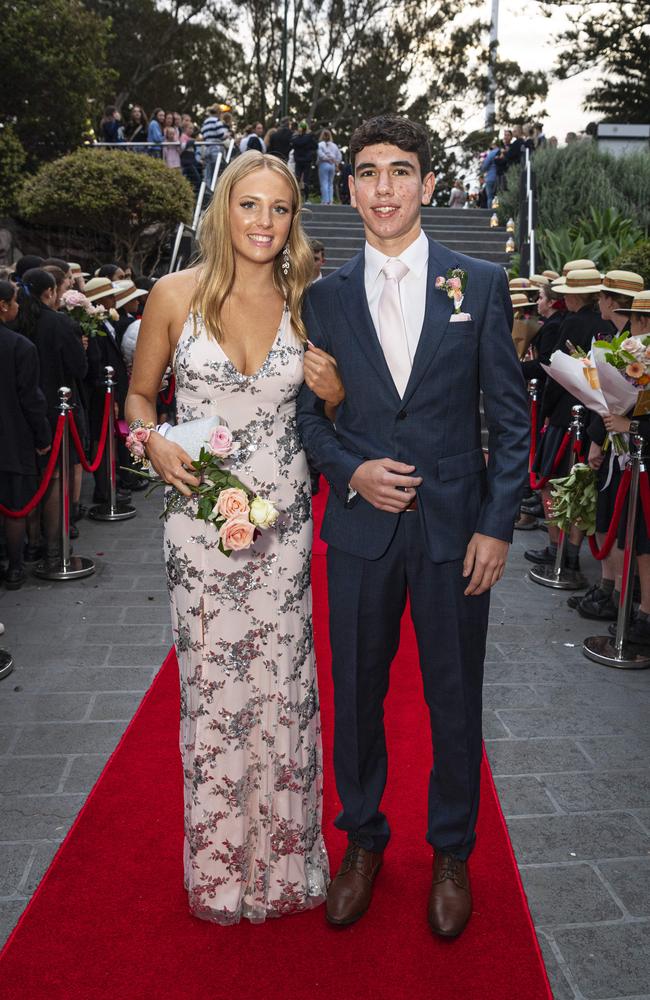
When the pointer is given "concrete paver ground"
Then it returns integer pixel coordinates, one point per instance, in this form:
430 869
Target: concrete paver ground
568 741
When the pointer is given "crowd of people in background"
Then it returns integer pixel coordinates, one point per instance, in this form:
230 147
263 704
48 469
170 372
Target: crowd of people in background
193 148
316 159
43 348
504 152
565 313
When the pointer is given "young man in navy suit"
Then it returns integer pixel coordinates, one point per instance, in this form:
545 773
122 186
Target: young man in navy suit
413 510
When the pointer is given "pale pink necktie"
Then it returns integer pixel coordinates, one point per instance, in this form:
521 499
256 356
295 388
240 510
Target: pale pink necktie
392 329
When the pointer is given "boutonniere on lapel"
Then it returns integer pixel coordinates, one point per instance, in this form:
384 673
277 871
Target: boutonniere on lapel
454 284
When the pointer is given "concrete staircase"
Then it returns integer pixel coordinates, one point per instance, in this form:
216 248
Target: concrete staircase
467 231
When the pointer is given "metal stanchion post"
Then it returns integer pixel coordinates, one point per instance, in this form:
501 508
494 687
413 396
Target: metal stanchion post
6 663
617 652
111 511
70 567
558 576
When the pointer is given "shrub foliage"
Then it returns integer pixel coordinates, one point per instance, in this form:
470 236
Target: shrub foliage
12 164
133 199
586 198
636 258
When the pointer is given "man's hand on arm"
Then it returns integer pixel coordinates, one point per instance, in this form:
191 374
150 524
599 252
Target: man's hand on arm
485 561
386 484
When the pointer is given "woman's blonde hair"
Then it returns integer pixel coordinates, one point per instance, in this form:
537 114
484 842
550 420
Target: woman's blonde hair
217 258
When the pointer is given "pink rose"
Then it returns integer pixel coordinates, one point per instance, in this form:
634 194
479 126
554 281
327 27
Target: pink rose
440 282
237 533
454 283
72 299
135 447
232 503
220 442
141 434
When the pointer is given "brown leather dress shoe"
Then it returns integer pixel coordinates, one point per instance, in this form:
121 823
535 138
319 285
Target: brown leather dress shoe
350 891
450 902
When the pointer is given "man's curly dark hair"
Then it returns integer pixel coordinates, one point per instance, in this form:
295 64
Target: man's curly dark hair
393 131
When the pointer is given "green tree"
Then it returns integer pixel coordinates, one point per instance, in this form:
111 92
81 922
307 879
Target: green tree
176 56
54 64
132 199
12 163
615 38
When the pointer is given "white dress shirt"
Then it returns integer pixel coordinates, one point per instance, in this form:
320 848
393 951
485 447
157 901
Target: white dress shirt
412 287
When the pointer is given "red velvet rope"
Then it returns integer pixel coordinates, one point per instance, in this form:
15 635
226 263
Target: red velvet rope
47 475
539 484
171 389
610 537
103 434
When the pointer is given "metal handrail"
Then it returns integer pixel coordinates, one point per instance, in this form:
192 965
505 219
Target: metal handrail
529 208
157 145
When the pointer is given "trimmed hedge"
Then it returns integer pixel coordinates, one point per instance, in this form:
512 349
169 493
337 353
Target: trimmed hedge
573 180
119 194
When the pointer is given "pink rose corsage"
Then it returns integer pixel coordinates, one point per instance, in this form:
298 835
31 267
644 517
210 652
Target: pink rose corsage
136 439
454 284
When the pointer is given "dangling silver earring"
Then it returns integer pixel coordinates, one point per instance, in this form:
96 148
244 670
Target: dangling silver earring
286 261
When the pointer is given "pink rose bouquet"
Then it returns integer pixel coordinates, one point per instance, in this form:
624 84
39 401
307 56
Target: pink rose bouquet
238 514
81 309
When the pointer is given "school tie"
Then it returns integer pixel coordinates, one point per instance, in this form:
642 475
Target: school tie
392 329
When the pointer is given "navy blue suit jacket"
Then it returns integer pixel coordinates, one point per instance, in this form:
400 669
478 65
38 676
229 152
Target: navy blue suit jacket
436 425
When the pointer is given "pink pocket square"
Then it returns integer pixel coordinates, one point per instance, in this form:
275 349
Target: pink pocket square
460 318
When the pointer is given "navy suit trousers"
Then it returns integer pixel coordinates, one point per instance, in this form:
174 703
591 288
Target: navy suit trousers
367 599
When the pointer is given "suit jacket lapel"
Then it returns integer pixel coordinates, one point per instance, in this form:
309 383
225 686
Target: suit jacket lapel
437 313
354 305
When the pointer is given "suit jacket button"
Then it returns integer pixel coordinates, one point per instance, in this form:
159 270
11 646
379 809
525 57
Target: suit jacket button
401 415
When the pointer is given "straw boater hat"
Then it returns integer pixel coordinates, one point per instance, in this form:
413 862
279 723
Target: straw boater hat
640 306
524 285
622 283
577 265
520 301
75 270
581 281
125 291
550 275
100 288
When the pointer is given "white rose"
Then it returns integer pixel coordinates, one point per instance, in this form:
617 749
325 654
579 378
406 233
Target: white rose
633 346
262 513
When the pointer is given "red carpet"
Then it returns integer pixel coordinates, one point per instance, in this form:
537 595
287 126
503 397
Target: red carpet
110 918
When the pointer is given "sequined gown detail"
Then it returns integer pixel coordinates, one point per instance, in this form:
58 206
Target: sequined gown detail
250 735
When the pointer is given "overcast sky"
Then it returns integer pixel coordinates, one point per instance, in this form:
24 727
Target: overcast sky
528 37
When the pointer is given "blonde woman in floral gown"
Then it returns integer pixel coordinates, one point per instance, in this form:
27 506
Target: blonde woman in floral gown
250 725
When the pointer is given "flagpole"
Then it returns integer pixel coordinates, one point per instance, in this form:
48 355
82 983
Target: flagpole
490 106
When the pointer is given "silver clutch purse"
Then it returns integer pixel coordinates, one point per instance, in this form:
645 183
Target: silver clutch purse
191 435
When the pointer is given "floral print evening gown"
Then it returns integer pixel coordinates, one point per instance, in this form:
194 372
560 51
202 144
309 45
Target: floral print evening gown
250 725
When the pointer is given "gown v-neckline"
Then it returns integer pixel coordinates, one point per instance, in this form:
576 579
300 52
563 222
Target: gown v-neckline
266 358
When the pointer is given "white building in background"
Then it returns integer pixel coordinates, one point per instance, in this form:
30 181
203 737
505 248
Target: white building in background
619 140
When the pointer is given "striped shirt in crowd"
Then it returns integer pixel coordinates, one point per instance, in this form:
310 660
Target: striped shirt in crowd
214 130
